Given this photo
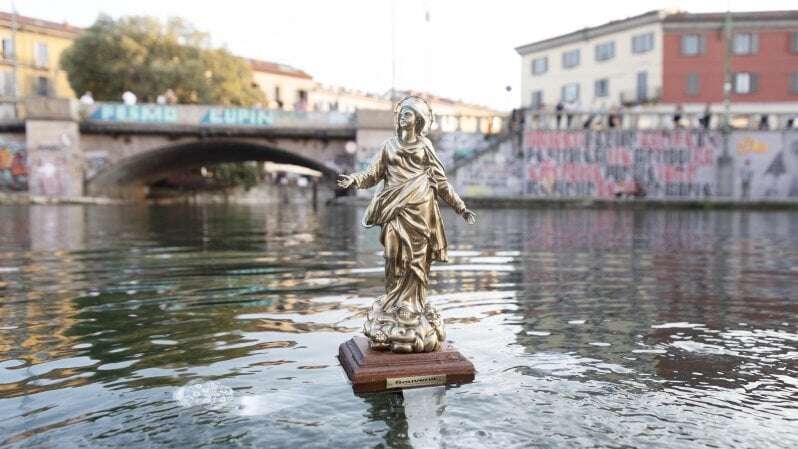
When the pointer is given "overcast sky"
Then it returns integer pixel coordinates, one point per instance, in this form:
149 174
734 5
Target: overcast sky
465 50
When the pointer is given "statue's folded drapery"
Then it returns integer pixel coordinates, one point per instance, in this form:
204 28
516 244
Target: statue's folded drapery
408 213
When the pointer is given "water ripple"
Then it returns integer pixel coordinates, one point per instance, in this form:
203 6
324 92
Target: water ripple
219 327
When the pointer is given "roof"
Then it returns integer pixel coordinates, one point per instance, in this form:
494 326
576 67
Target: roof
276 68
613 26
714 20
24 22
675 19
437 99
736 16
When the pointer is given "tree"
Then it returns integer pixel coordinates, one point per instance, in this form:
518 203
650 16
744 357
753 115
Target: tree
242 174
147 57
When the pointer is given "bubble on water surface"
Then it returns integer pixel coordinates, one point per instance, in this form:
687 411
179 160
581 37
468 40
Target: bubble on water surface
210 394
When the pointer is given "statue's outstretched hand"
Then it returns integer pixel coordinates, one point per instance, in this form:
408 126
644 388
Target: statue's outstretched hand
345 181
470 217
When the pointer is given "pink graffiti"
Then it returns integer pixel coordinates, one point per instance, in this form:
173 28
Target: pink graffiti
555 140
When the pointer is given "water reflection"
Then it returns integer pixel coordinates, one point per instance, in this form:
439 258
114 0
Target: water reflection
587 327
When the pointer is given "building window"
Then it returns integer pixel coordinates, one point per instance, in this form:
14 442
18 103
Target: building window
605 51
42 55
43 86
537 99
7 79
693 86
602 87
570 92
692 44
540 65
744 83
794 84
642 86
570 59
642 43
744 43
795 42
8 48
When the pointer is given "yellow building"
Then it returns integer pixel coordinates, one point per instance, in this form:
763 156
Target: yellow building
37 46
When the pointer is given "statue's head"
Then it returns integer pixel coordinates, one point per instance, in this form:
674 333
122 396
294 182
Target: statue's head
413 109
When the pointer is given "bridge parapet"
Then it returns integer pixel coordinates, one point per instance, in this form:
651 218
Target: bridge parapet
109 147
444 123
160 116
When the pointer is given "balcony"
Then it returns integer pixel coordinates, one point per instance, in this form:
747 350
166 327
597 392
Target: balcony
630 97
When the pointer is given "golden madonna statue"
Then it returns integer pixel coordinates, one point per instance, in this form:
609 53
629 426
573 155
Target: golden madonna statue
412 230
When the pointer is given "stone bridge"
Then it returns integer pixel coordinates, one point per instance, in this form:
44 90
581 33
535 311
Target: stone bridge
111 149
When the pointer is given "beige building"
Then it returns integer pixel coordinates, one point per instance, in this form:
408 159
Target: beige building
332 98
289 88
30 57
286 87
619 62
456 114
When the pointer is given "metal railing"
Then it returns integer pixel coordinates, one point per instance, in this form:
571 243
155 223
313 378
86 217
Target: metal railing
10 111
494 124
649 94
580 120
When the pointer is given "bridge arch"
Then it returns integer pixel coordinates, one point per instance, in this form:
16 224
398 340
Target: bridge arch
133 173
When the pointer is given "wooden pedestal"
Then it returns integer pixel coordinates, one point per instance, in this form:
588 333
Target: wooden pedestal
372 371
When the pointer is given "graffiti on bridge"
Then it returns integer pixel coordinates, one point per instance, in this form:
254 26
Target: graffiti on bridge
94 163
13 166
204 115
659 164
144 113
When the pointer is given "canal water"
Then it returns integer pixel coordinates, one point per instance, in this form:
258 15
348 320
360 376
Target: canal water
190 327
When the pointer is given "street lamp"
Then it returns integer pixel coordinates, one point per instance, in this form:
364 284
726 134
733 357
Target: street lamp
15 72
725 174
727 74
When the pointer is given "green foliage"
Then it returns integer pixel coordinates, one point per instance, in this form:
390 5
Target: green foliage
240 174
147 57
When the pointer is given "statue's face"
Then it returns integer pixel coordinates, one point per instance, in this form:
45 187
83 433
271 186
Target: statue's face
407 118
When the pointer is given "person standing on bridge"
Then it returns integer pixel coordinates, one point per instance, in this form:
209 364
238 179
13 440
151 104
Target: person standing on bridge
87 99
129 98
412 230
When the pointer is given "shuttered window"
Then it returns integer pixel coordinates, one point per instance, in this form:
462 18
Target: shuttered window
693 84
693 44
745 82
745 43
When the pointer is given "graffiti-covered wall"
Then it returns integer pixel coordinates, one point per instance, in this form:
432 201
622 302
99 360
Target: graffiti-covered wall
497 173
604 164
453 146
766 164
13 164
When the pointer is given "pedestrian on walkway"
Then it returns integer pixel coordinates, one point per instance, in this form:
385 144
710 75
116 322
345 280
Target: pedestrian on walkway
677 116
706 117
171 97
746 175
559 108
87 98
129 98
